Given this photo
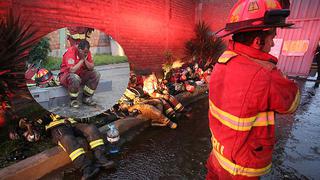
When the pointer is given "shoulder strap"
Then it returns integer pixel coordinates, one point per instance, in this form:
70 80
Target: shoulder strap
226 56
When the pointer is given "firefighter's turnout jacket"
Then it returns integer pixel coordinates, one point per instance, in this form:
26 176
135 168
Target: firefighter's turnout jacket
151 87
246 90
148 108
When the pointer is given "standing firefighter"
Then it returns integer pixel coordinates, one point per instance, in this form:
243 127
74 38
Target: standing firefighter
77 69
246 90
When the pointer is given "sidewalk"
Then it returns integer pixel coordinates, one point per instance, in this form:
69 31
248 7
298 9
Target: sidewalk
118 74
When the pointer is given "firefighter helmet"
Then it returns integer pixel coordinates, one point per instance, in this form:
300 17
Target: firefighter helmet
43 76
251 15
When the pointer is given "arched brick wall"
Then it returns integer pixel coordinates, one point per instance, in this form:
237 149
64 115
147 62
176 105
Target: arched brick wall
145 29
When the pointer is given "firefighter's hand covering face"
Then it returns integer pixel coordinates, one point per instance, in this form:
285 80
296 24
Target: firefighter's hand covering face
83 53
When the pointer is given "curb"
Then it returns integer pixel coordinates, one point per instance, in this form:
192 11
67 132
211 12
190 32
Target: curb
49 160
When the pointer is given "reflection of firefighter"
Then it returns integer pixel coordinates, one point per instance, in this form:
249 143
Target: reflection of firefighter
246 89
170 103
150 109
64 132
77 69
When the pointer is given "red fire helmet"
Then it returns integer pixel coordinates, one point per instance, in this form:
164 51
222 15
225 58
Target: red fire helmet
43 76
251 15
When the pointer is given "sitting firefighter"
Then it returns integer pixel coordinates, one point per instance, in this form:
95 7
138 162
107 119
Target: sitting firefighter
64 132
132 101
170 103
77 69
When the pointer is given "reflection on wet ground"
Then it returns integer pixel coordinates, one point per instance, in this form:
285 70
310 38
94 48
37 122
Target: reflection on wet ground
161 153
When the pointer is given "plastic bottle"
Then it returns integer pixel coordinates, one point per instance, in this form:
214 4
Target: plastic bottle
113 137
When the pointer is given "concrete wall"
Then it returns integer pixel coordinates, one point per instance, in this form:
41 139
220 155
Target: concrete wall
145 29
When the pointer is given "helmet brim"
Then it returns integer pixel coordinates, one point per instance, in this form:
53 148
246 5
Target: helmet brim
223 33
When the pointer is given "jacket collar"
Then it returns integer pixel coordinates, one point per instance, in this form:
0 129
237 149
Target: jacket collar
251 52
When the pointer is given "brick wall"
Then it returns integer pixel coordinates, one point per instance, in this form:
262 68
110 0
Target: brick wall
145 29
214 12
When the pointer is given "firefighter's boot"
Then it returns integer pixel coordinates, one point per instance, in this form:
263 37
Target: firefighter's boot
101 160
89 172
88 100
87 96
172 125
74 103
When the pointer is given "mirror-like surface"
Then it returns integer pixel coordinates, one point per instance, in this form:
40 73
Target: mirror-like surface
77 72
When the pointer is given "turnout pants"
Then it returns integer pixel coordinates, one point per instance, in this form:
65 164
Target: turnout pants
171 106
216 172
151 112
65 136
73 82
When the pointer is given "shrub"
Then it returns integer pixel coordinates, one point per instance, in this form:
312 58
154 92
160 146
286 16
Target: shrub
40 51
205 48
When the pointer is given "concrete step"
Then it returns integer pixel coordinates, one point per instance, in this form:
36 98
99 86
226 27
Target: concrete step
52 97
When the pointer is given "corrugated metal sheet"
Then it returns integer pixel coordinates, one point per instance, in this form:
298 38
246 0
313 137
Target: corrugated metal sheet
306 15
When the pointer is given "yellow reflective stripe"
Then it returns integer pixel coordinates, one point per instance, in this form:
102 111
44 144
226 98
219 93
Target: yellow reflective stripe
78 36
88 90
129 94
178 106
236 169
241 124
264 119
54 123
230 116
71 120
96 143
169 110
64 149
54 117
226 56
74 94
76 153
295 103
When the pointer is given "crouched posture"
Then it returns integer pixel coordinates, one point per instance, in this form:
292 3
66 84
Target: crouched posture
77 69
150 109
64 132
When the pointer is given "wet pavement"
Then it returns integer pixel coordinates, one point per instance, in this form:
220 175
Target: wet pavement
162 153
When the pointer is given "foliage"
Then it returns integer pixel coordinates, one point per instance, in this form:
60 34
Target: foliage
40 51
171 62
53 63
103 59
205 48
16 38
